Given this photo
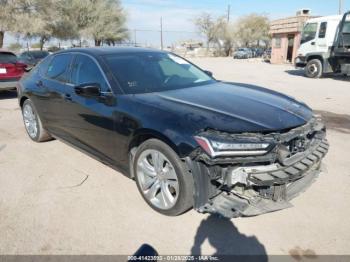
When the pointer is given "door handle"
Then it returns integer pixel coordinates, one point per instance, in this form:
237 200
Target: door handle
39 83
313 43
67 97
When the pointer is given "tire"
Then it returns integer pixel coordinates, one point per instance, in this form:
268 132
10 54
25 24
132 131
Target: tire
314 68
181 196
35 128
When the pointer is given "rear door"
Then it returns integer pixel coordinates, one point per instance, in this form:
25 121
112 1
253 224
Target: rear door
51 92
90 120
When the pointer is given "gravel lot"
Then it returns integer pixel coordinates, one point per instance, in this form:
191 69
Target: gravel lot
56 200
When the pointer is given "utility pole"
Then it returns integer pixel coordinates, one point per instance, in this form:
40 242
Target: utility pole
340 7
161 33
135 37
228 13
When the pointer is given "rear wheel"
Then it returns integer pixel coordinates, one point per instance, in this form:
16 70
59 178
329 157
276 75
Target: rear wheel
314 68
162 178
33 124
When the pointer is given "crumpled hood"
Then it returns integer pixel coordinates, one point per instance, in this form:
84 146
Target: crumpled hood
232 108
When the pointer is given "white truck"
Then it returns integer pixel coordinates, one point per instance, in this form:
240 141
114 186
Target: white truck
325 46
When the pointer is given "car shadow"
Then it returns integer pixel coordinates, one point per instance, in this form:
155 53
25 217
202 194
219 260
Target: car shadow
225 238
8 94
300 72
334 121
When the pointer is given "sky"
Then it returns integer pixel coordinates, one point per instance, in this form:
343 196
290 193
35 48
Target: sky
178 15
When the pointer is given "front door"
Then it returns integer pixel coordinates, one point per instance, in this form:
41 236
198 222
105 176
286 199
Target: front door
321 40
90 121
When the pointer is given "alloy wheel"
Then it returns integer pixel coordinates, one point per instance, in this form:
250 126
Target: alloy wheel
157 178
30 121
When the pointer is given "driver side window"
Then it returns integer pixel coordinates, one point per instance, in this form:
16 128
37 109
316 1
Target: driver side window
86 71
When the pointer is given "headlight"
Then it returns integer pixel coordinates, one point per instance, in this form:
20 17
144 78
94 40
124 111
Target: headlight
216 148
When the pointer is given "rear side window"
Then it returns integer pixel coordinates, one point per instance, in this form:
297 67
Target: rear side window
43 65
7 58
323 30
58 68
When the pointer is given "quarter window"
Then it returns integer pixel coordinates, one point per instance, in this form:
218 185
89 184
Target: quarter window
86 71
323 30
58 68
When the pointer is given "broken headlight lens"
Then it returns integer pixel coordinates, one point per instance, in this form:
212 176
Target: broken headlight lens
216 148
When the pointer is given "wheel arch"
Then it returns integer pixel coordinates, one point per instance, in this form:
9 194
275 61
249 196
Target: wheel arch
315 56
142 135
21 101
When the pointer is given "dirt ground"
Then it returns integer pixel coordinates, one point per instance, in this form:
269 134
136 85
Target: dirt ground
56 200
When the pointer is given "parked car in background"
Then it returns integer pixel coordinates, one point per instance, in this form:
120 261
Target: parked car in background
258 52
31 58
187 139
10 70
243 53
267 55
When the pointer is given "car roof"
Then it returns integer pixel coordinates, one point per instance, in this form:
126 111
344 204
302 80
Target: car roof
6 51
99 51
325 18
36 51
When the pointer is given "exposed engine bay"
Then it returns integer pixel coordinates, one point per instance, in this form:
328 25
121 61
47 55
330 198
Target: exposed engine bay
249 185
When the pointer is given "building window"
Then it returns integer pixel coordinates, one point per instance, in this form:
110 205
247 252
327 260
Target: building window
278 42
323 30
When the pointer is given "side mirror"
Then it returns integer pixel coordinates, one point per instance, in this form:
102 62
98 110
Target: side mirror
88 90
208 73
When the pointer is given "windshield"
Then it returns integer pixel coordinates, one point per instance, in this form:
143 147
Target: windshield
309 32
39 54
346 28
154 72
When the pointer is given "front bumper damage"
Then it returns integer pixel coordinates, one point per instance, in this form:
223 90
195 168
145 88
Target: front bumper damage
249 186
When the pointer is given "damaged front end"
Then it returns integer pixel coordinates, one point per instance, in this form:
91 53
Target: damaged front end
251 174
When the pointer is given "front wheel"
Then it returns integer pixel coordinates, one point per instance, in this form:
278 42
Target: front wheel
162 178
314 68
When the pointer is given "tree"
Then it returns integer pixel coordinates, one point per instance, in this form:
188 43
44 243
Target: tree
46 19
205 24
251 29
107 22
102 20
217 32
11 12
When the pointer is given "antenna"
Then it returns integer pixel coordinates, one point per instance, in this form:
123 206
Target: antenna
161 33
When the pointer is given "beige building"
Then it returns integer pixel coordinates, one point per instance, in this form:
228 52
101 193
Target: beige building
286 36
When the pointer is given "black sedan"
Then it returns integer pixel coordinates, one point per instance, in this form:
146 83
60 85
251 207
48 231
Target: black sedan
187 139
